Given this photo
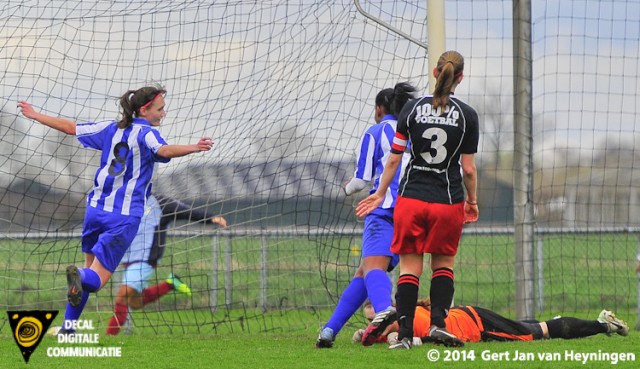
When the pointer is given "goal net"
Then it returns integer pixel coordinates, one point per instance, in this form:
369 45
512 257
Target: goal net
286 89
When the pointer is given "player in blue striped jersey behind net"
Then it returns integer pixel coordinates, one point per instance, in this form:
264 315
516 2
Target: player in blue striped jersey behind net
145 253
130 148
371 279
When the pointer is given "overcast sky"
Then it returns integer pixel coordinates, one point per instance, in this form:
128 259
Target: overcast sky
296 80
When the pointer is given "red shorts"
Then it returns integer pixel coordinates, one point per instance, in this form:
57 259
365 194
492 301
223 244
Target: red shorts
426 228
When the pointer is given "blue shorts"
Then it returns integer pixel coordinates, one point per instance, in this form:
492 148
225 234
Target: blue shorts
108 235
378 236
136 275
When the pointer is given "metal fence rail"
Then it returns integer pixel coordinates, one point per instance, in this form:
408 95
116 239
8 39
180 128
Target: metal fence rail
222 252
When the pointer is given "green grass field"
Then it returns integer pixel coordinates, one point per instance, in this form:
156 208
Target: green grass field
295 350
582 275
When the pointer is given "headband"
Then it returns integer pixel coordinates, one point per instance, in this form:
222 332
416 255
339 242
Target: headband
151 101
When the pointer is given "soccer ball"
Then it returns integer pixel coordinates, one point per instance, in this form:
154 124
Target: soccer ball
53 331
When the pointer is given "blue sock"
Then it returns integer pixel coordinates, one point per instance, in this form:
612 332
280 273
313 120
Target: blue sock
379 289
90 280
350 301
73 312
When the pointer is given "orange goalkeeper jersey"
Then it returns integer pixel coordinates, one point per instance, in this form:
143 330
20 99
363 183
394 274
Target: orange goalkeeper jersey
475 324
458 322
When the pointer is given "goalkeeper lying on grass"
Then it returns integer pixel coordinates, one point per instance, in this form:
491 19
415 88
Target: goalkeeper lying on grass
476 324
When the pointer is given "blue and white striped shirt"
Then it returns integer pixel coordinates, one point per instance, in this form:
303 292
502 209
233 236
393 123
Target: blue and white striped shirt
123 181
375 148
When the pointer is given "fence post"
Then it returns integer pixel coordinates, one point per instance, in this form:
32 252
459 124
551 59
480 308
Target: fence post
638 274
264 248
540 265
215 250
228 273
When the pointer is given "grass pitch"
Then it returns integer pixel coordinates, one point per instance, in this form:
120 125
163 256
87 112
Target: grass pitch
582 275
281 350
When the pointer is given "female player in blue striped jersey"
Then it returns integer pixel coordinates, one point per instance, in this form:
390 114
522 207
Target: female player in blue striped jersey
371 279
444 134
130 148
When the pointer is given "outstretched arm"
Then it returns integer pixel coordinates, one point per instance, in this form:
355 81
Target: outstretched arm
175 151
173 209
60 124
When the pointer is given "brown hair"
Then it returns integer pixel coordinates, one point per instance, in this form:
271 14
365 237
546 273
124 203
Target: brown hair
133 100
450 65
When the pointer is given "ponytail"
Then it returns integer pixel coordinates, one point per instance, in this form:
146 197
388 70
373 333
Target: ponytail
450 65
126 109
133 100
393 99
402 92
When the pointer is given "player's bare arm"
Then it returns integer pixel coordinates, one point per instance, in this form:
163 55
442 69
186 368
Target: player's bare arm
60 124
470 179
175 151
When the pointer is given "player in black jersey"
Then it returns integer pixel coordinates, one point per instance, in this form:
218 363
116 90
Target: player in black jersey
144 255
432 202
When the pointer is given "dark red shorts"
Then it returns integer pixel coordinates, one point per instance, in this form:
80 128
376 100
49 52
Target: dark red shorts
426 228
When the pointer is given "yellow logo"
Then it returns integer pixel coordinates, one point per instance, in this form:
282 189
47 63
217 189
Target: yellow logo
28 328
